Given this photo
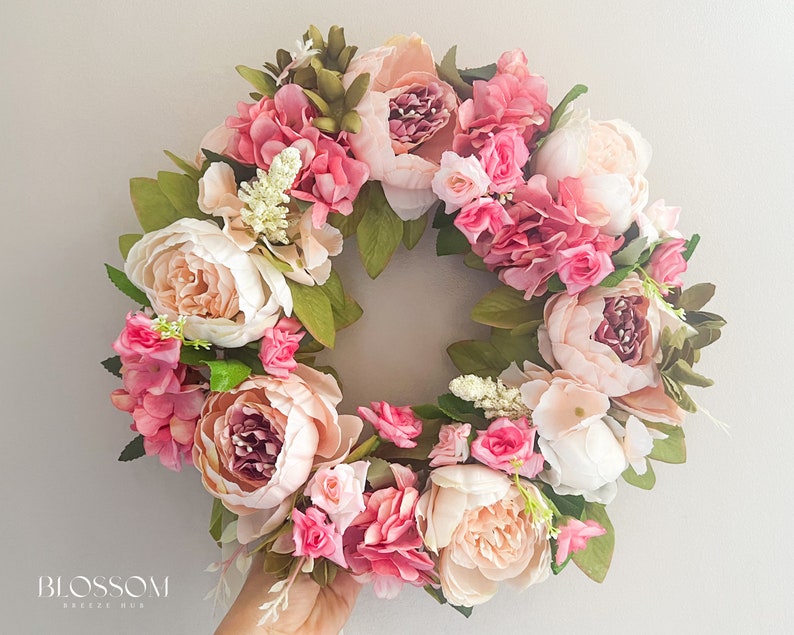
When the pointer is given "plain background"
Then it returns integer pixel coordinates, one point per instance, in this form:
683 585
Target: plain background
92 91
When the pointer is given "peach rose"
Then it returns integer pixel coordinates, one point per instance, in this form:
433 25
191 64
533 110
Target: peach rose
192 268
408 118
475 520
256 445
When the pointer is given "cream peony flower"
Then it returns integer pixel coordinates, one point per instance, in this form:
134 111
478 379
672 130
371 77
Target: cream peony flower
192 268
474 518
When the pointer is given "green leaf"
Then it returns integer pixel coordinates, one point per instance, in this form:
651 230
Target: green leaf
677 393
216 516
576 91
313 309
113 365
465 611
126 241
379 474
413 230
247 356
616 277
345 309
133 450
473 261
226 374
682 373
241 171
644 481
448 71
470 75
669 450
442 219
379 232
695 297
123 284
506 308
428 411
691 244
477 358
195 357
517 348
450 241
260 80
435 593
595 559
348 225
566 504
152 207
182 191
555 285
460 410
188 168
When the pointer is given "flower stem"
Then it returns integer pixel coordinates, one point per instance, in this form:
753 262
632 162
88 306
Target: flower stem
369 446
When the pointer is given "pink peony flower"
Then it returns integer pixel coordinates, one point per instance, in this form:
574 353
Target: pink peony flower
139 342
503 157
452 446
339 491
573 537
459 180
316 538
482 215
383 543
513 98
667 263
506 442
393 423
583 266
279 345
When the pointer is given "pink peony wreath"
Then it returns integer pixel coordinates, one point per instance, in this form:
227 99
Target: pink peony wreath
582 383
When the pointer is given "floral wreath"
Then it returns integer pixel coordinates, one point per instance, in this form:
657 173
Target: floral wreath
582 382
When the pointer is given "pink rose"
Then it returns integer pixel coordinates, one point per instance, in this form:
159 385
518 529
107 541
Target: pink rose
503 157
652 404
256 445
139 342
481 215
452 446
573 537
279 346
383 543
393 423
583 266
315 538
339 491
667 264
459 180
506 443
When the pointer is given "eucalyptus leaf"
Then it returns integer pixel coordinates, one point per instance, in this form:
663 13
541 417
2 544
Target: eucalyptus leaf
313 309
413 231
506 308
379 232
123 284
226 374
133 450
644 481
595 559
152 207
126 241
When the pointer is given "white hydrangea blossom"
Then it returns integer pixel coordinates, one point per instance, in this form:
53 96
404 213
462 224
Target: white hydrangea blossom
491 395
265 198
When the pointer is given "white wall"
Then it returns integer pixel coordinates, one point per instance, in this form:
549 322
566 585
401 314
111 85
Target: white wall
91 93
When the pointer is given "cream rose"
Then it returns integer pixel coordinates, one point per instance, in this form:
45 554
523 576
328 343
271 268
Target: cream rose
192 268
475 520
256 445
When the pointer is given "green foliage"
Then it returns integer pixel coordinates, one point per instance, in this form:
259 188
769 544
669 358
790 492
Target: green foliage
261 81
644 481
220 519
379 232
669 450
126 241
428 412
696 297
226 374
470 75
473 261
594 560
413 230
575 92
113 365
566 504
241 172
438 596
379 474
448 71
313 308
505 308
123 284
182 192
187 167
194 356
345 309
133 450
555 285
450 241
152 207
460 410
348 225
474 357
519 344
691 244
616 277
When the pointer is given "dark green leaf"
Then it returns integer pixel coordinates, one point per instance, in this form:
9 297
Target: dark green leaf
616 277
465 611
448 71
241 172
566 504
435 593
595 559
460 410
506 308
576 91
450 241
182 191
555 285
113 365
473 261
226 374
644 481
216 517
314 311
428 412
260 80
324 572
152 207
247 356
691 244
188 168
669 450
413 230
695 297
123 284
195 356
517 348
470 75
477 358
126 241
349 224
442 219
134 450
379 232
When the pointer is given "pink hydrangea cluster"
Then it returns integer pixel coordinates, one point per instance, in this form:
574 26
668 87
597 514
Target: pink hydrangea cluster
164 406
